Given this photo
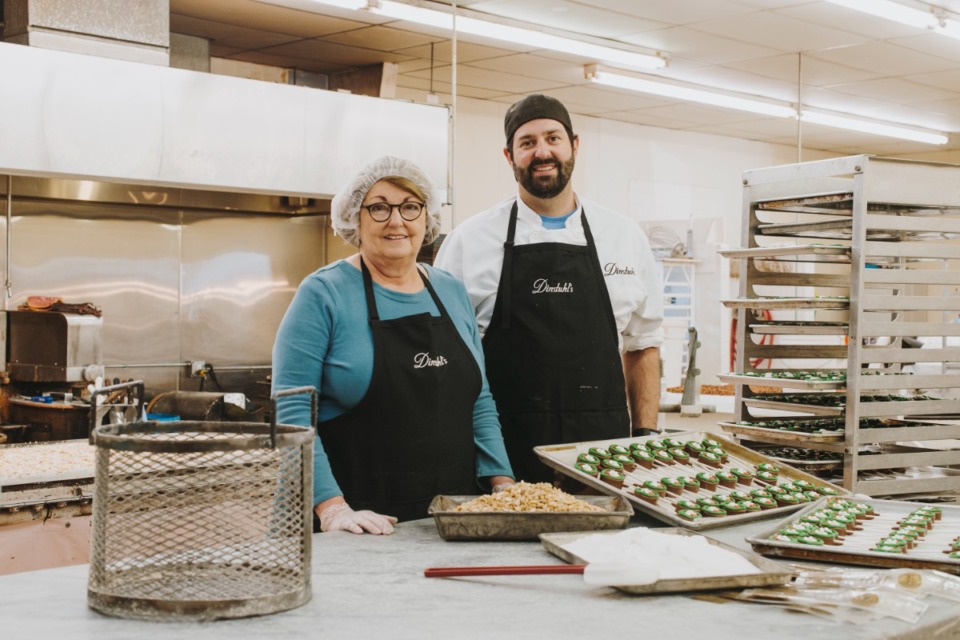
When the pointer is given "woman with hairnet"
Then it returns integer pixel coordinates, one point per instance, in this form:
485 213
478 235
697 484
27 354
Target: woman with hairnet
404 410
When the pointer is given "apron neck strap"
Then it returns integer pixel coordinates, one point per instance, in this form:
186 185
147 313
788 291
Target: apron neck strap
372 312
506 271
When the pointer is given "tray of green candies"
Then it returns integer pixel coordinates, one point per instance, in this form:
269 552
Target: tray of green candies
694 480
870 532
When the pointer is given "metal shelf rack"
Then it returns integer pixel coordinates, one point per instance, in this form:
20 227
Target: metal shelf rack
846 262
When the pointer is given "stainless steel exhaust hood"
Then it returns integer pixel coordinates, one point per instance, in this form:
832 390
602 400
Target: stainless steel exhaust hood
82 117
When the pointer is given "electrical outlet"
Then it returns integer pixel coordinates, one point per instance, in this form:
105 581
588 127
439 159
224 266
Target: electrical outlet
196 367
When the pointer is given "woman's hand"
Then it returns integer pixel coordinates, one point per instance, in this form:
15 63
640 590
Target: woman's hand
500 483
338 516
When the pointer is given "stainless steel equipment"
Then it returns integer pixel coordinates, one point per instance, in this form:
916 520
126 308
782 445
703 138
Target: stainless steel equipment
54 347
51 357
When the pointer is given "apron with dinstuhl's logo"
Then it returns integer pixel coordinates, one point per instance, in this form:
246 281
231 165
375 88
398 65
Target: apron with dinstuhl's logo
411 436
552 355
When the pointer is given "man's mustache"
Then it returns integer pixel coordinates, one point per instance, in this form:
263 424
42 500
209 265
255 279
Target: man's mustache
542 163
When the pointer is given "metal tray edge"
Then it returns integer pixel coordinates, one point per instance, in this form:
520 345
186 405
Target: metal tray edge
774 573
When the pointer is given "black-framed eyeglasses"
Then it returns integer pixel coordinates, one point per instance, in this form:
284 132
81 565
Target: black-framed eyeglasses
381 211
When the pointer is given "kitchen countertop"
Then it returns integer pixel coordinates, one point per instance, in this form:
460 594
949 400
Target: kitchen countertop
373 587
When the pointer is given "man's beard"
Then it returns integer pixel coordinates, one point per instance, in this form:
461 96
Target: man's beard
545 186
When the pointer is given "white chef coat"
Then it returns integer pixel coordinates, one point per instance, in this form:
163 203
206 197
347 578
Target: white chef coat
473 251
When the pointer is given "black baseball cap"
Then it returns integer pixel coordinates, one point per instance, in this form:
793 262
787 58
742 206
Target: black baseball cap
535 107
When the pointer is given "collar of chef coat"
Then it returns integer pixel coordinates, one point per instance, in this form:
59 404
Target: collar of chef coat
528 216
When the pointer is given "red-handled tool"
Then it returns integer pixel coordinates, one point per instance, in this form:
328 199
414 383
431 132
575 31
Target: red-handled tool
454 572
605 574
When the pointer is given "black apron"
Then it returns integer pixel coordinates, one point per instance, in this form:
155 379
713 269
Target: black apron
411 436
552 355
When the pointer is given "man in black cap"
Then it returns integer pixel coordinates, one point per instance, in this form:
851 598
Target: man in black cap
566 295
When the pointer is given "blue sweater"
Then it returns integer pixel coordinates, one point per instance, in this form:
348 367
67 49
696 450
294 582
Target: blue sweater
324 341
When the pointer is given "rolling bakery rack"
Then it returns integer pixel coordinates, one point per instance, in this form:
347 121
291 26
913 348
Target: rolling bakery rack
845 263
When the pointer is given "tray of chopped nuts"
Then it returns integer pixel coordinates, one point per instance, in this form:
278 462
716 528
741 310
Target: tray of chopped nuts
524 511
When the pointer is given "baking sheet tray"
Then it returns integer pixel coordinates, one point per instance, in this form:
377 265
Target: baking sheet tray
785 436
784 383
563 458
838 204
786 303
802 328
928 554
840 229
801 437
48 462
813 466
515 525
773 573
789 250
796 407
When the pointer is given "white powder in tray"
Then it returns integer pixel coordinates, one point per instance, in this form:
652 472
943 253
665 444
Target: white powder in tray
672 556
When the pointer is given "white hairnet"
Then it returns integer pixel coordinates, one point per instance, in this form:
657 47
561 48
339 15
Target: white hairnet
345 208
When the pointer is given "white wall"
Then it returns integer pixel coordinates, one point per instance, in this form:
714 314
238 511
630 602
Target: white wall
645 172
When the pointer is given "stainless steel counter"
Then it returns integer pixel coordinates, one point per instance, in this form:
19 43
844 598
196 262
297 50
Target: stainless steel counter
373 587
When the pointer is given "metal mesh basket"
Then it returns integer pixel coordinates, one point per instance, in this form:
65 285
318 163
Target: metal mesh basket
201 520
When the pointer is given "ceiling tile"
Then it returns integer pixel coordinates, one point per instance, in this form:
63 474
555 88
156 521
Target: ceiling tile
648 119
535 66
227 35
382 38
692 44
578 17
301 56
884 58
466 51
881 89
594 100
942 115
832 15
771 4
671 11
813 72
488 79
780 32
734 81
701 114
932 44
822 98
949 78
761 128
331 52
417 88
256 15
950 108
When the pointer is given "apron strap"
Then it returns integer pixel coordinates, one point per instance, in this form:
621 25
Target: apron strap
433 294
595 259
372 314
506 271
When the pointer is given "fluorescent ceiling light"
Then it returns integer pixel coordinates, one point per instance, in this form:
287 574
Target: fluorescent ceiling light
442 19
517 35
689 94
869 126
934 18
752 105
305 4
